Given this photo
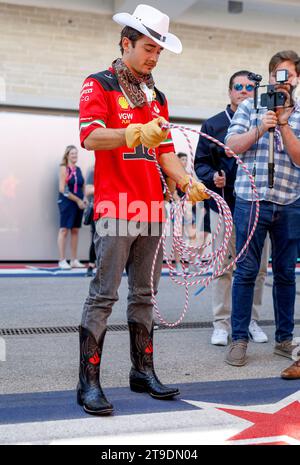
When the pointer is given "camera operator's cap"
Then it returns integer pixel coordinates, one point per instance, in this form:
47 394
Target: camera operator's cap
152 23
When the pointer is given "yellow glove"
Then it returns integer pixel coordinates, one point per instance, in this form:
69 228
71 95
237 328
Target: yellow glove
196 191
151 133
133 134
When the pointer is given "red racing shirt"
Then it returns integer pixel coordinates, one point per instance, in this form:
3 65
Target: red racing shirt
127 182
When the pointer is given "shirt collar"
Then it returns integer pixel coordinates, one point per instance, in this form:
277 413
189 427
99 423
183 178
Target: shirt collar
229 111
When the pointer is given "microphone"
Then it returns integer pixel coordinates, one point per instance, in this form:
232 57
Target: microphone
254 77
215 156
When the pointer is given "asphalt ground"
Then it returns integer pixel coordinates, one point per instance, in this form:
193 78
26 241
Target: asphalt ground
39 374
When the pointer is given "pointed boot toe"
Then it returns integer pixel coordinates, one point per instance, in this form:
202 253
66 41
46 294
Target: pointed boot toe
142 377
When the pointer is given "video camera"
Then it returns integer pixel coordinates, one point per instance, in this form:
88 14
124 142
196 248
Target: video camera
272 98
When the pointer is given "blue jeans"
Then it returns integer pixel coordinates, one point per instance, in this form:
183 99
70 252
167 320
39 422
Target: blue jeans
283 224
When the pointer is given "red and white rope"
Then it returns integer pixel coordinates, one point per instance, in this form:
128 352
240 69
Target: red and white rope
212 260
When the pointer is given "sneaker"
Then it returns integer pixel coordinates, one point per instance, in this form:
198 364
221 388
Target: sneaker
77 264
286 349
64 265
219 337
236 353
256 333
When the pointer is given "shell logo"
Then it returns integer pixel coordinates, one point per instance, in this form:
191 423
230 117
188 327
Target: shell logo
123 103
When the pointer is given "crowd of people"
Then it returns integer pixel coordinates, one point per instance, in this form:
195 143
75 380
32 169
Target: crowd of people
123 120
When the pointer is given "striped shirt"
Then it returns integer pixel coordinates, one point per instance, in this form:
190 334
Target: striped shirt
286 188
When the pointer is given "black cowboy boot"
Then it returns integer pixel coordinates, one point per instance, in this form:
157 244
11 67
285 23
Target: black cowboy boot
89 392
142 377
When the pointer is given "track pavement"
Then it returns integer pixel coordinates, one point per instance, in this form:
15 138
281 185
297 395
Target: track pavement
218 404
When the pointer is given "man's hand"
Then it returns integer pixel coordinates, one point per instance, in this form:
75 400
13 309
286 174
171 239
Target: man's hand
269 120
197 190
283 115
284 112
219 181
150 134
133 135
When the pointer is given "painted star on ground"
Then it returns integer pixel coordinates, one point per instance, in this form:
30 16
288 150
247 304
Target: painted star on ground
284 422
277 423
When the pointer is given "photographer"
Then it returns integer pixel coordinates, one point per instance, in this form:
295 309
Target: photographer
218 173
279 208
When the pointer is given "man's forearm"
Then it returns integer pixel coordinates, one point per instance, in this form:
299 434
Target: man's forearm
105 139
291 143
240 143
172 167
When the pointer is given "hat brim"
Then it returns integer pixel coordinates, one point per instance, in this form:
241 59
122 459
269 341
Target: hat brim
172 43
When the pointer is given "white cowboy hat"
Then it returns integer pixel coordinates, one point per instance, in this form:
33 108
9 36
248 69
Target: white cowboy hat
152 23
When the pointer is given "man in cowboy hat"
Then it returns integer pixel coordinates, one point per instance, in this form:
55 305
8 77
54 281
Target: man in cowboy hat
121 114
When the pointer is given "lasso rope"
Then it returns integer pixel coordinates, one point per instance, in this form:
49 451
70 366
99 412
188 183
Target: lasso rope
212 259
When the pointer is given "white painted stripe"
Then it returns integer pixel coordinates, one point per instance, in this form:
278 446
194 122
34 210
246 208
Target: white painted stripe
177 438
33 271
266 440
176 428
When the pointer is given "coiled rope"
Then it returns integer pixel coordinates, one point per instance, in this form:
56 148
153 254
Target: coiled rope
214 259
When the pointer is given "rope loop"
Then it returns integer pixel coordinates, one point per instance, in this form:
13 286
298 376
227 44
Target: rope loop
204 262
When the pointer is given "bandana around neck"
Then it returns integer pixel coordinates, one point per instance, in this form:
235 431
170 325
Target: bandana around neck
130 83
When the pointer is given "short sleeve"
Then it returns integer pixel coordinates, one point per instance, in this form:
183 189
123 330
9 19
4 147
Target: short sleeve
241 120
93 110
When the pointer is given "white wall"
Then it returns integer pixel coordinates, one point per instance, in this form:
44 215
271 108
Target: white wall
31 148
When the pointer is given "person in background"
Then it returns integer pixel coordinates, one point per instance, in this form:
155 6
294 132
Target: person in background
89 192
279 211
71 204
218 173
293 371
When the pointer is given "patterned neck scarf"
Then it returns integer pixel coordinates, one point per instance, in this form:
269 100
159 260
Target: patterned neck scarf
130 83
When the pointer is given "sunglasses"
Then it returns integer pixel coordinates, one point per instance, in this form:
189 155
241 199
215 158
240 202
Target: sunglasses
239 87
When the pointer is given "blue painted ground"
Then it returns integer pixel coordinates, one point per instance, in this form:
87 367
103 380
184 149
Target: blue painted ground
61 405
